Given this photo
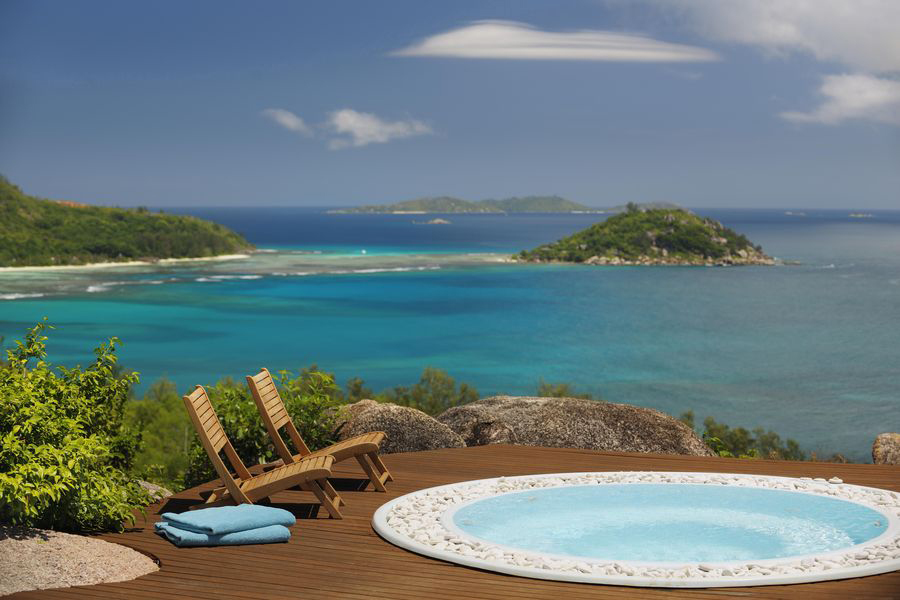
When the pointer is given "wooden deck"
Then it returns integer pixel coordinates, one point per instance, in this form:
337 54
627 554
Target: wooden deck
346 559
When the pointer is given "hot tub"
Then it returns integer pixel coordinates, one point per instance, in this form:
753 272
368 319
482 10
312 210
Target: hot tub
652 528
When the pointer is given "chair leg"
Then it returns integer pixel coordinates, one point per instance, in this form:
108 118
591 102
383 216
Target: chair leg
333 511
373 476
376 460
218 497
332 493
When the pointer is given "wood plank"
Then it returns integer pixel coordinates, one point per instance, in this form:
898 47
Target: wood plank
267 390
274 403
204 411
328 558
208 418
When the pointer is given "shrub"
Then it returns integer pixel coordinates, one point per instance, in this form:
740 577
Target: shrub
545 389
435 393
310 399
167 433
64 447
743 443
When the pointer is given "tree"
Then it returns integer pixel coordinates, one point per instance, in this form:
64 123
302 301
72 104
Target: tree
167 434
435 393
559 390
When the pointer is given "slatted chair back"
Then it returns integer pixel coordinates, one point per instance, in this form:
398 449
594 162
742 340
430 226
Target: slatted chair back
212 436
275 415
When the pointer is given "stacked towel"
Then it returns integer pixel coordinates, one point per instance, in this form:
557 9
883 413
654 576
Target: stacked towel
227 525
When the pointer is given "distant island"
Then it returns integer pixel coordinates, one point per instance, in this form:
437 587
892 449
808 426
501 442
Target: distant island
433 222
652 236
38 232
448 204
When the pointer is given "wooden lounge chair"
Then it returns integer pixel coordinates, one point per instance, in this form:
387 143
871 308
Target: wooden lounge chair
311 475
364 448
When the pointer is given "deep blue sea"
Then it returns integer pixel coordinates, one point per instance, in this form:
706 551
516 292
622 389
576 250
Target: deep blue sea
810 348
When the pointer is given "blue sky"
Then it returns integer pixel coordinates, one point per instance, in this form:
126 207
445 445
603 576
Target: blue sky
756 103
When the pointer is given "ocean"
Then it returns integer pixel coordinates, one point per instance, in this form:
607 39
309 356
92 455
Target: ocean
810 348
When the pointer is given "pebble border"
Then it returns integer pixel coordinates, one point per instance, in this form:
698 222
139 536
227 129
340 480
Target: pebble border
417 522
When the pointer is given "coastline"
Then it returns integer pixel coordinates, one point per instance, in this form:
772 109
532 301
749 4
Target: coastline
656 262
127 263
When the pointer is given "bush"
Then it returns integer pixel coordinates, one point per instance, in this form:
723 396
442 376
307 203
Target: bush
64 448
743 443
545 389
167 433
310 400
435 393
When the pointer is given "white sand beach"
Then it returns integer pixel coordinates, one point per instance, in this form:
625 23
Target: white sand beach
127 263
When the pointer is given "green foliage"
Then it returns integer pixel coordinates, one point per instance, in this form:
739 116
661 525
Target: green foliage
357 390
546 389
535 204
35 232
742 443
674 234
167 435
310 400
435 393
64 446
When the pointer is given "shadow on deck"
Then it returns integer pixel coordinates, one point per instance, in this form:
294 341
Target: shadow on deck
346 559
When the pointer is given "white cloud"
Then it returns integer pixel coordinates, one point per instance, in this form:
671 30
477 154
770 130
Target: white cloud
365 128
513 40
347 127
288 120
854 97
863 34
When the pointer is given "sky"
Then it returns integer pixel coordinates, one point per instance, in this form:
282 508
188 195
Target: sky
747 103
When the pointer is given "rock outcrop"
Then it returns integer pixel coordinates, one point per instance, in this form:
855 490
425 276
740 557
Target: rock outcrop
157 492
407 429
886 449
571 423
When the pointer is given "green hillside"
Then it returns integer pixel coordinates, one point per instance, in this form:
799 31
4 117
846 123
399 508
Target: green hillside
440 204
536 204
652 236
38 232
448 204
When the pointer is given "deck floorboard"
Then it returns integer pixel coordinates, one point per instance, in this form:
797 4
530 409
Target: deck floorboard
346 559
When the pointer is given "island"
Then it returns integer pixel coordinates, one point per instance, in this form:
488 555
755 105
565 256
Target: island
39 232
449 204
652 236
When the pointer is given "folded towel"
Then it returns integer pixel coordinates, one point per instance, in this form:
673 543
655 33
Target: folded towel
228 519
260 535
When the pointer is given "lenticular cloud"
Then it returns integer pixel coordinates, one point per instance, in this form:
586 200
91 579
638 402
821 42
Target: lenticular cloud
520 41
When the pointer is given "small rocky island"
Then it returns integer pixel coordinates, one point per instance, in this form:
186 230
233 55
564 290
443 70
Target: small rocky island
652 236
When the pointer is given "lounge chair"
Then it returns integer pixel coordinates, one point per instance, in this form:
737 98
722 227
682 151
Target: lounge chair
311 475
364 448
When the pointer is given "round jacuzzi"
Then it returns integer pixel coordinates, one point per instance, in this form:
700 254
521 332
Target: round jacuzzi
653 528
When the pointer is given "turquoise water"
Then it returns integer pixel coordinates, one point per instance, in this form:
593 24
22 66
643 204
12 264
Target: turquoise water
810 350
670 522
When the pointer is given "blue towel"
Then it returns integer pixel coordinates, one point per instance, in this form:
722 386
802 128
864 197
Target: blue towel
229 519
260 535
